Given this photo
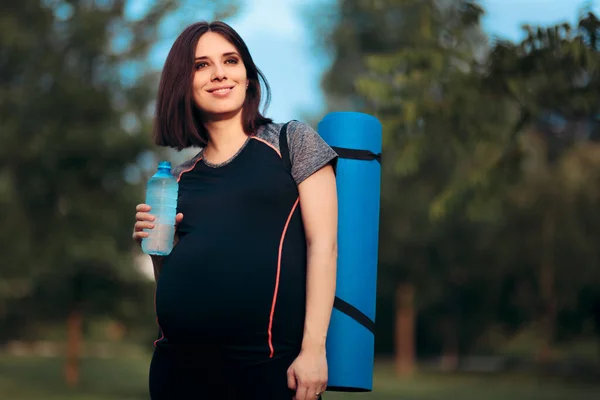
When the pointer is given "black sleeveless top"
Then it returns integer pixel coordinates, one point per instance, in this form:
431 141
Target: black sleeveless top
236 280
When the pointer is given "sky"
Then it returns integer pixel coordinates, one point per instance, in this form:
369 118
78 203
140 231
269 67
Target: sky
282 42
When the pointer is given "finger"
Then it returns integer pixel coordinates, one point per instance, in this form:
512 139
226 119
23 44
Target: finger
139 235
291 379
316 390
142 207
141 225
302 392
321 389
311 392
143 216
178 218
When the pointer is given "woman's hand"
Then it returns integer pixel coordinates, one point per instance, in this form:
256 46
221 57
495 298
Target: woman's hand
308 374
145 220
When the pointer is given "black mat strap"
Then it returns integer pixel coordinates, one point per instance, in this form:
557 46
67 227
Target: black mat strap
354 313
365 155
284 148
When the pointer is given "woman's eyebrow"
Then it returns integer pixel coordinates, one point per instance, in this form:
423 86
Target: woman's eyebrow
231 53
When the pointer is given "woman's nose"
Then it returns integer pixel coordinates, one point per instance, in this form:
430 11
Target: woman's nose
218 72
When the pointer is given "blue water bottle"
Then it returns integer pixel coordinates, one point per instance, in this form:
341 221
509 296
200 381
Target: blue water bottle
161 196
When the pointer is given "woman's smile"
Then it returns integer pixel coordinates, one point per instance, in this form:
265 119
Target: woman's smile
221 91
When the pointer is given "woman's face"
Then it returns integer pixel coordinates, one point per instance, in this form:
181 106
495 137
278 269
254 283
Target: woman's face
220 82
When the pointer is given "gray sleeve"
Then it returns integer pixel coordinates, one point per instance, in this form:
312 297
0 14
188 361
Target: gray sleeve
175 171
308 151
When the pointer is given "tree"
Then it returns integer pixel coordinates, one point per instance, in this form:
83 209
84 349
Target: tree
412 64
556 137
75 90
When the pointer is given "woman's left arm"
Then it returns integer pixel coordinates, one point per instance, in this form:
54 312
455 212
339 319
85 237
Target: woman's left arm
318 202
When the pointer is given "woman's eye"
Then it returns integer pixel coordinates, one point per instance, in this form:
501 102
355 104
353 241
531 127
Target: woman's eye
232 61
200 65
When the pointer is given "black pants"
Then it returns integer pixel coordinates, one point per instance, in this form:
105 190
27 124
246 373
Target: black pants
179 375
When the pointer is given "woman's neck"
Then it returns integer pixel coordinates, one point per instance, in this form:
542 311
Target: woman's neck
226 136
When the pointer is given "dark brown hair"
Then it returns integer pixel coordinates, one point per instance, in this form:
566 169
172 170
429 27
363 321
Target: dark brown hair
177 121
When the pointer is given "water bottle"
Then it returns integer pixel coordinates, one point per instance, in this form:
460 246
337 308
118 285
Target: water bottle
161 196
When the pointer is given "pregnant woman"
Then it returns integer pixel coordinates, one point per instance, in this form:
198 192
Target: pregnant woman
244 300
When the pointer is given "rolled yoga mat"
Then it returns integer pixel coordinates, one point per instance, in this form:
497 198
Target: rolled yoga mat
356 137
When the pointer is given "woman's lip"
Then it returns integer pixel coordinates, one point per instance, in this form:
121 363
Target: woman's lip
223 90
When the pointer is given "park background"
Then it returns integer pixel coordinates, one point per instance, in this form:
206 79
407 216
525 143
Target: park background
489 278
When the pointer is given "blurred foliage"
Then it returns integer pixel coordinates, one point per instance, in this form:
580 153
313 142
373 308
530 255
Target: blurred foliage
76 92
491 161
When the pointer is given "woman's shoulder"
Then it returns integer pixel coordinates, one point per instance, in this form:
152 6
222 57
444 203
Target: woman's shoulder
271 131
307 150
186 165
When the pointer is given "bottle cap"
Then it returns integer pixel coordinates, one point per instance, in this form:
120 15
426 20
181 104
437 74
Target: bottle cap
164 165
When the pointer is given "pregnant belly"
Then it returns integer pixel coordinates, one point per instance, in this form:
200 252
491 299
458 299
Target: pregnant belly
207 289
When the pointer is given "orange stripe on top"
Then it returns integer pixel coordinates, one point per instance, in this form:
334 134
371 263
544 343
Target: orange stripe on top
267 143
189 169
277 277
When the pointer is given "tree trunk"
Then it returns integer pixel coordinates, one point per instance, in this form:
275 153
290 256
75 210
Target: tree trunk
449 360
74 342
548 296
451 324
405 330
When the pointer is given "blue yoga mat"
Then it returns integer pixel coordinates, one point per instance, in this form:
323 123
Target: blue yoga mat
356 137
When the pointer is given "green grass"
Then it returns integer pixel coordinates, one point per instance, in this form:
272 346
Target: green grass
469 387
126 379
101 379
